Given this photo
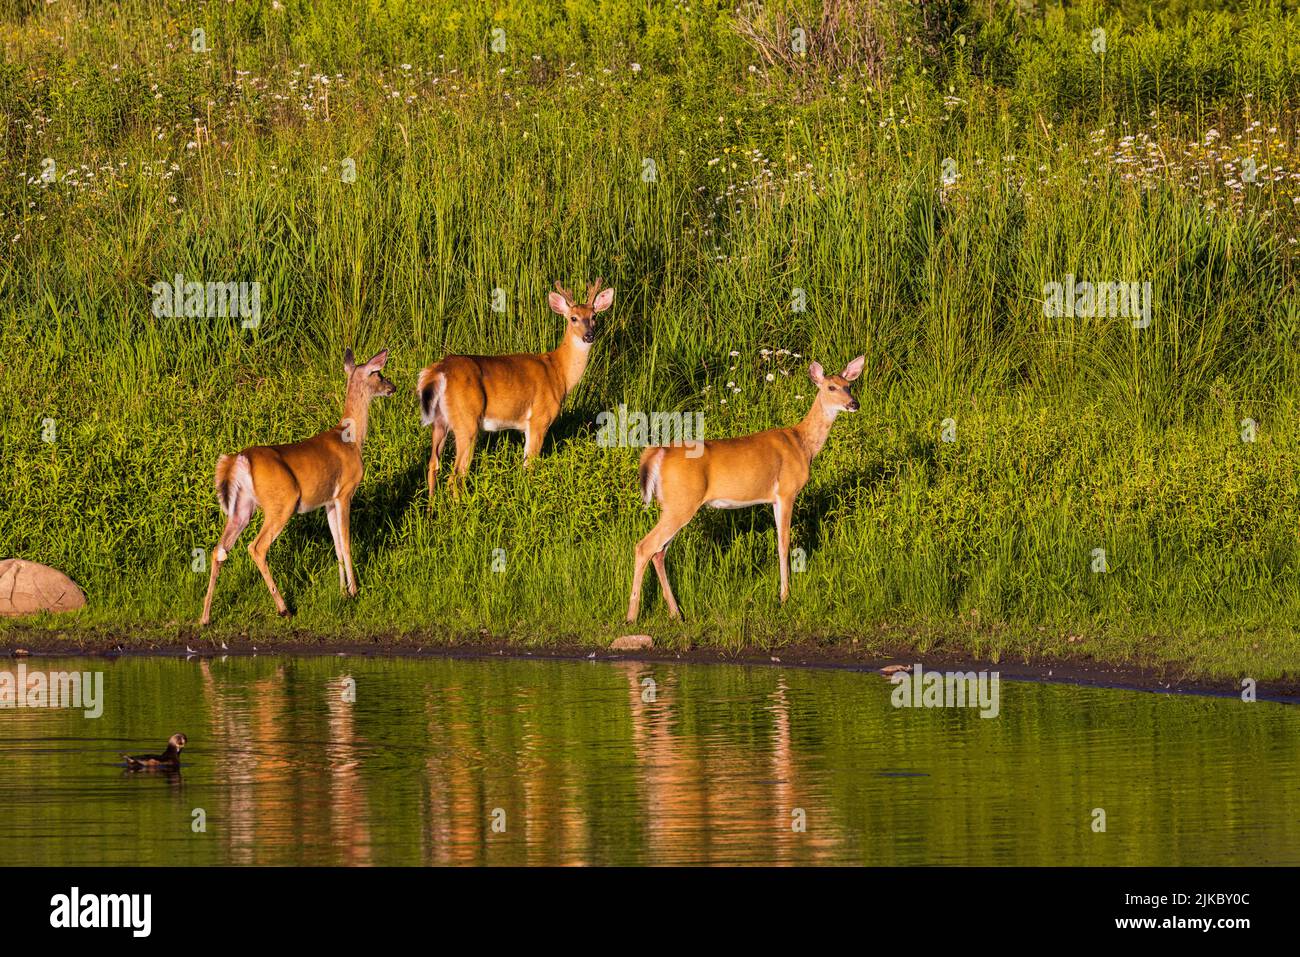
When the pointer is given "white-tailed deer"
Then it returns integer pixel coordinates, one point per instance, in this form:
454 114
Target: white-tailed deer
283 479
764 468
462 394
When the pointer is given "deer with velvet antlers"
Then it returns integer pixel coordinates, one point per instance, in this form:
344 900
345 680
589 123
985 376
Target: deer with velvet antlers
766 468
463 394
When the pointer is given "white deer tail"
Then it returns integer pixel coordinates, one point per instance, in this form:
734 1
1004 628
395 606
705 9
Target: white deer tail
648 474
233 481
432 387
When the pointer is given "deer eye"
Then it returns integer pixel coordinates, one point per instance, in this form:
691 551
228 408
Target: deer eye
834 389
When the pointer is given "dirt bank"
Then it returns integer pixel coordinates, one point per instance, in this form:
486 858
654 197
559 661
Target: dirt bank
797 654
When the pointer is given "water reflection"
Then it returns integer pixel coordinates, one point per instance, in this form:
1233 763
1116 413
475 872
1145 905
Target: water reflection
527 762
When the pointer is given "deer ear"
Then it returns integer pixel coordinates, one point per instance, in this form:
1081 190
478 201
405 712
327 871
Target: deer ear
816 374
376 362
348 363
853 369
604 300
558 303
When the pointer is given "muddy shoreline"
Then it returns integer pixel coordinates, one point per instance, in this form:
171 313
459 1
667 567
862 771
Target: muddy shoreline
1168 679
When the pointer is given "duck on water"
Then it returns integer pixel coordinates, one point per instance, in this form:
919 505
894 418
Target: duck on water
169 760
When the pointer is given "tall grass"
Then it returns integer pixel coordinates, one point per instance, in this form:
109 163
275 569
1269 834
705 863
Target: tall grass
479 171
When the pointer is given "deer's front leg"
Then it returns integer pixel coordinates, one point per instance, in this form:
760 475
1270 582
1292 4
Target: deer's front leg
345 536
782 509
535 434
332 515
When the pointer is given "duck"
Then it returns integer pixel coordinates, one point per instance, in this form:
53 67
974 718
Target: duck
169 760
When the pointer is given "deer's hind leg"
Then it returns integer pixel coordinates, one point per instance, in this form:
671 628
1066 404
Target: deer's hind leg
439 431
275 517
653 548
661 571
236 522
464 416
465 438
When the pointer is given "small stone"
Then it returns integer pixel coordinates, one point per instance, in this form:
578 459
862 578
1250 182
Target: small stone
632 643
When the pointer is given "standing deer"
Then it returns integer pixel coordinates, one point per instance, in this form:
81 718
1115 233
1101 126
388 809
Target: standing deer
766 467
462 394
283 479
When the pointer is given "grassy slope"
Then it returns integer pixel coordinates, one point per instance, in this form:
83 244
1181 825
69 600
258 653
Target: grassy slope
478 171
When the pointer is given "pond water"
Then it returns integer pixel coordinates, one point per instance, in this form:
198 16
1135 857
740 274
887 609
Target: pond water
503 761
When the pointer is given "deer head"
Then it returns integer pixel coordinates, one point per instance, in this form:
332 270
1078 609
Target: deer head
581 316
366 381
833 390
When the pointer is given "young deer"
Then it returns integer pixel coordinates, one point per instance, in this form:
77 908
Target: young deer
283 479
462 394
766 467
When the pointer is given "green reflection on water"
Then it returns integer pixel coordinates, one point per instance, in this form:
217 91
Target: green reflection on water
589 767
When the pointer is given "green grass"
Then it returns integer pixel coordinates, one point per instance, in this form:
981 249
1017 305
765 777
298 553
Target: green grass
517 169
